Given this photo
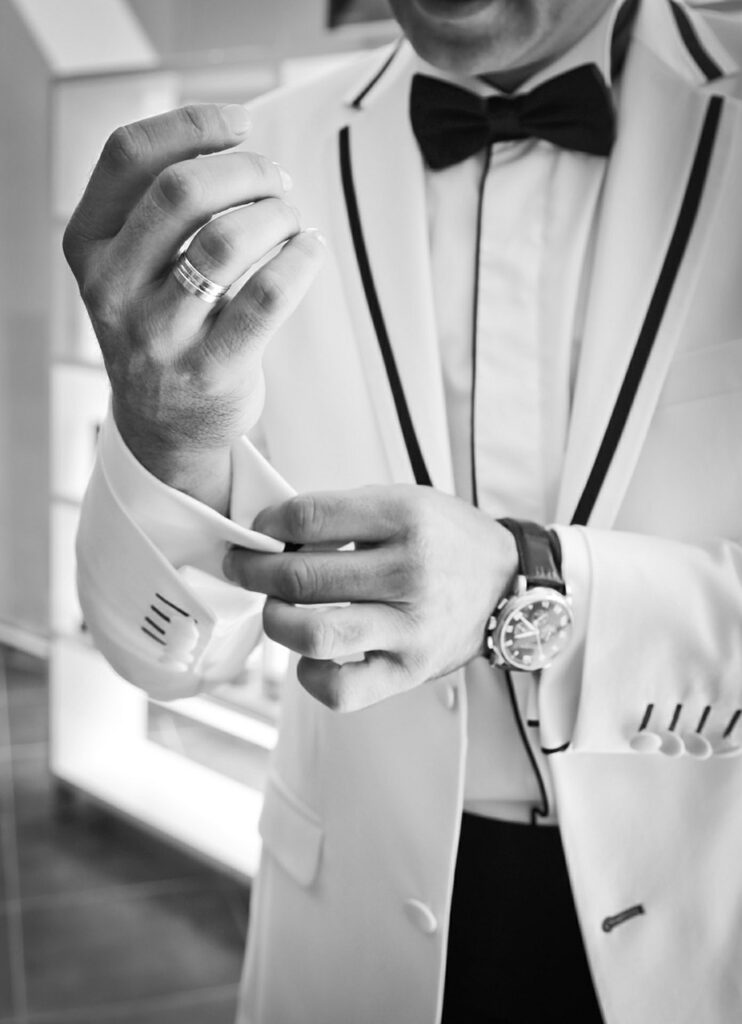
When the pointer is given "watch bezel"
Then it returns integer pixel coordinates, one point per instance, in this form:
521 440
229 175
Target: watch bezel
516 603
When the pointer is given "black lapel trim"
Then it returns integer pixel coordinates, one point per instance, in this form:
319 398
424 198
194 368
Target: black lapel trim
358 101
655 312
693 44
403 413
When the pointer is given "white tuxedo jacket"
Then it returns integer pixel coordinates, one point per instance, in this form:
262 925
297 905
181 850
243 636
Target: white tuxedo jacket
360 826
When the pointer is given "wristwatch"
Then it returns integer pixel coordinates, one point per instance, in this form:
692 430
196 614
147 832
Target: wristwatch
531 625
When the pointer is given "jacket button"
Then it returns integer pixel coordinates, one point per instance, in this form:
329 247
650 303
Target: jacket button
697 746
421 916
645 742
672 745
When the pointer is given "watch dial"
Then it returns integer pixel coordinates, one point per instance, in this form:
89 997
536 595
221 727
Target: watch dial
535 632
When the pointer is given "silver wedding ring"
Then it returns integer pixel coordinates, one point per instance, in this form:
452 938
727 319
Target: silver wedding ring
196 283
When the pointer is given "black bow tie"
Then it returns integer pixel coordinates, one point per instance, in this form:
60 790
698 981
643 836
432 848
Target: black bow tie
573 110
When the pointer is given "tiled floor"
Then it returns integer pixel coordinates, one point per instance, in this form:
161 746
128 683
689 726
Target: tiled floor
99 922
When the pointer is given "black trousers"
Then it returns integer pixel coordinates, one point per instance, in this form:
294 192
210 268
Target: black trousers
515 953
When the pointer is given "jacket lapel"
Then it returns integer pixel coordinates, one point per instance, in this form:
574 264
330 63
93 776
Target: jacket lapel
385 205
658 198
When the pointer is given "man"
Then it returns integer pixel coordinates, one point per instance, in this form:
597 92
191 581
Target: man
529 297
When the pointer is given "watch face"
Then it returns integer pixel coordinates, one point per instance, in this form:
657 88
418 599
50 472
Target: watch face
533 628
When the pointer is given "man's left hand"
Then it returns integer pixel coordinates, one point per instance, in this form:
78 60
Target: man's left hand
412 597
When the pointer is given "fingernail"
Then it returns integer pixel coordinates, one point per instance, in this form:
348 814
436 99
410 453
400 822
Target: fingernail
286 180
316 233
237 118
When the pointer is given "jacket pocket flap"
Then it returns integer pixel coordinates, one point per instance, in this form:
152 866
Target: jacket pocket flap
292 833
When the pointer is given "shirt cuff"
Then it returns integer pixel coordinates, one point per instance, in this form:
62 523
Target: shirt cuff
186 531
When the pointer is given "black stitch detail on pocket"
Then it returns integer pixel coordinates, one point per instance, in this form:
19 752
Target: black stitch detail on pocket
555 750
171 605
675 717
609 923
702 721
732 722
647 715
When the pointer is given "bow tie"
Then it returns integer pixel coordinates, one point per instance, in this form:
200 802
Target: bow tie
573 110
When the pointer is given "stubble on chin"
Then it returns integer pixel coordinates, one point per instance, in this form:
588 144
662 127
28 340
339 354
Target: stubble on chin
498 39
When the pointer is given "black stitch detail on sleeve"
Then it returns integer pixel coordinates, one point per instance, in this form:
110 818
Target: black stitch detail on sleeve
171 605
160 613
157 638
675 717
154 625
533 723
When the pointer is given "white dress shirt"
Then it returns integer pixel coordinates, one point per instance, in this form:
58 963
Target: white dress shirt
539 209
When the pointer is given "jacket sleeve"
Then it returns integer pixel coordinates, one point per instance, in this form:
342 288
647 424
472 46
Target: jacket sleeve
149 571
659 667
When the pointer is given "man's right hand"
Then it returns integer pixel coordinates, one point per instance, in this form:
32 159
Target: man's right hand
186 376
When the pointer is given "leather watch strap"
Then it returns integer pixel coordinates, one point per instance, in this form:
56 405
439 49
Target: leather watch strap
539 554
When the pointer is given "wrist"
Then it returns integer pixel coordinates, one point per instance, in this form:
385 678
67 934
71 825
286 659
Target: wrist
202 472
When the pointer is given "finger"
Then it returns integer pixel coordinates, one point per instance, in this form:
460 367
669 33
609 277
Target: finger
366 514
318 577
136 153
181 199
225 249
270 296
356 684
331 633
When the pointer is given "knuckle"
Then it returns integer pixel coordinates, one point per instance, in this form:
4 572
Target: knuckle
270 292
302 517
198 119
319 640
296 580
259 168
216 243
93 292
71 246
177 188
126 145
